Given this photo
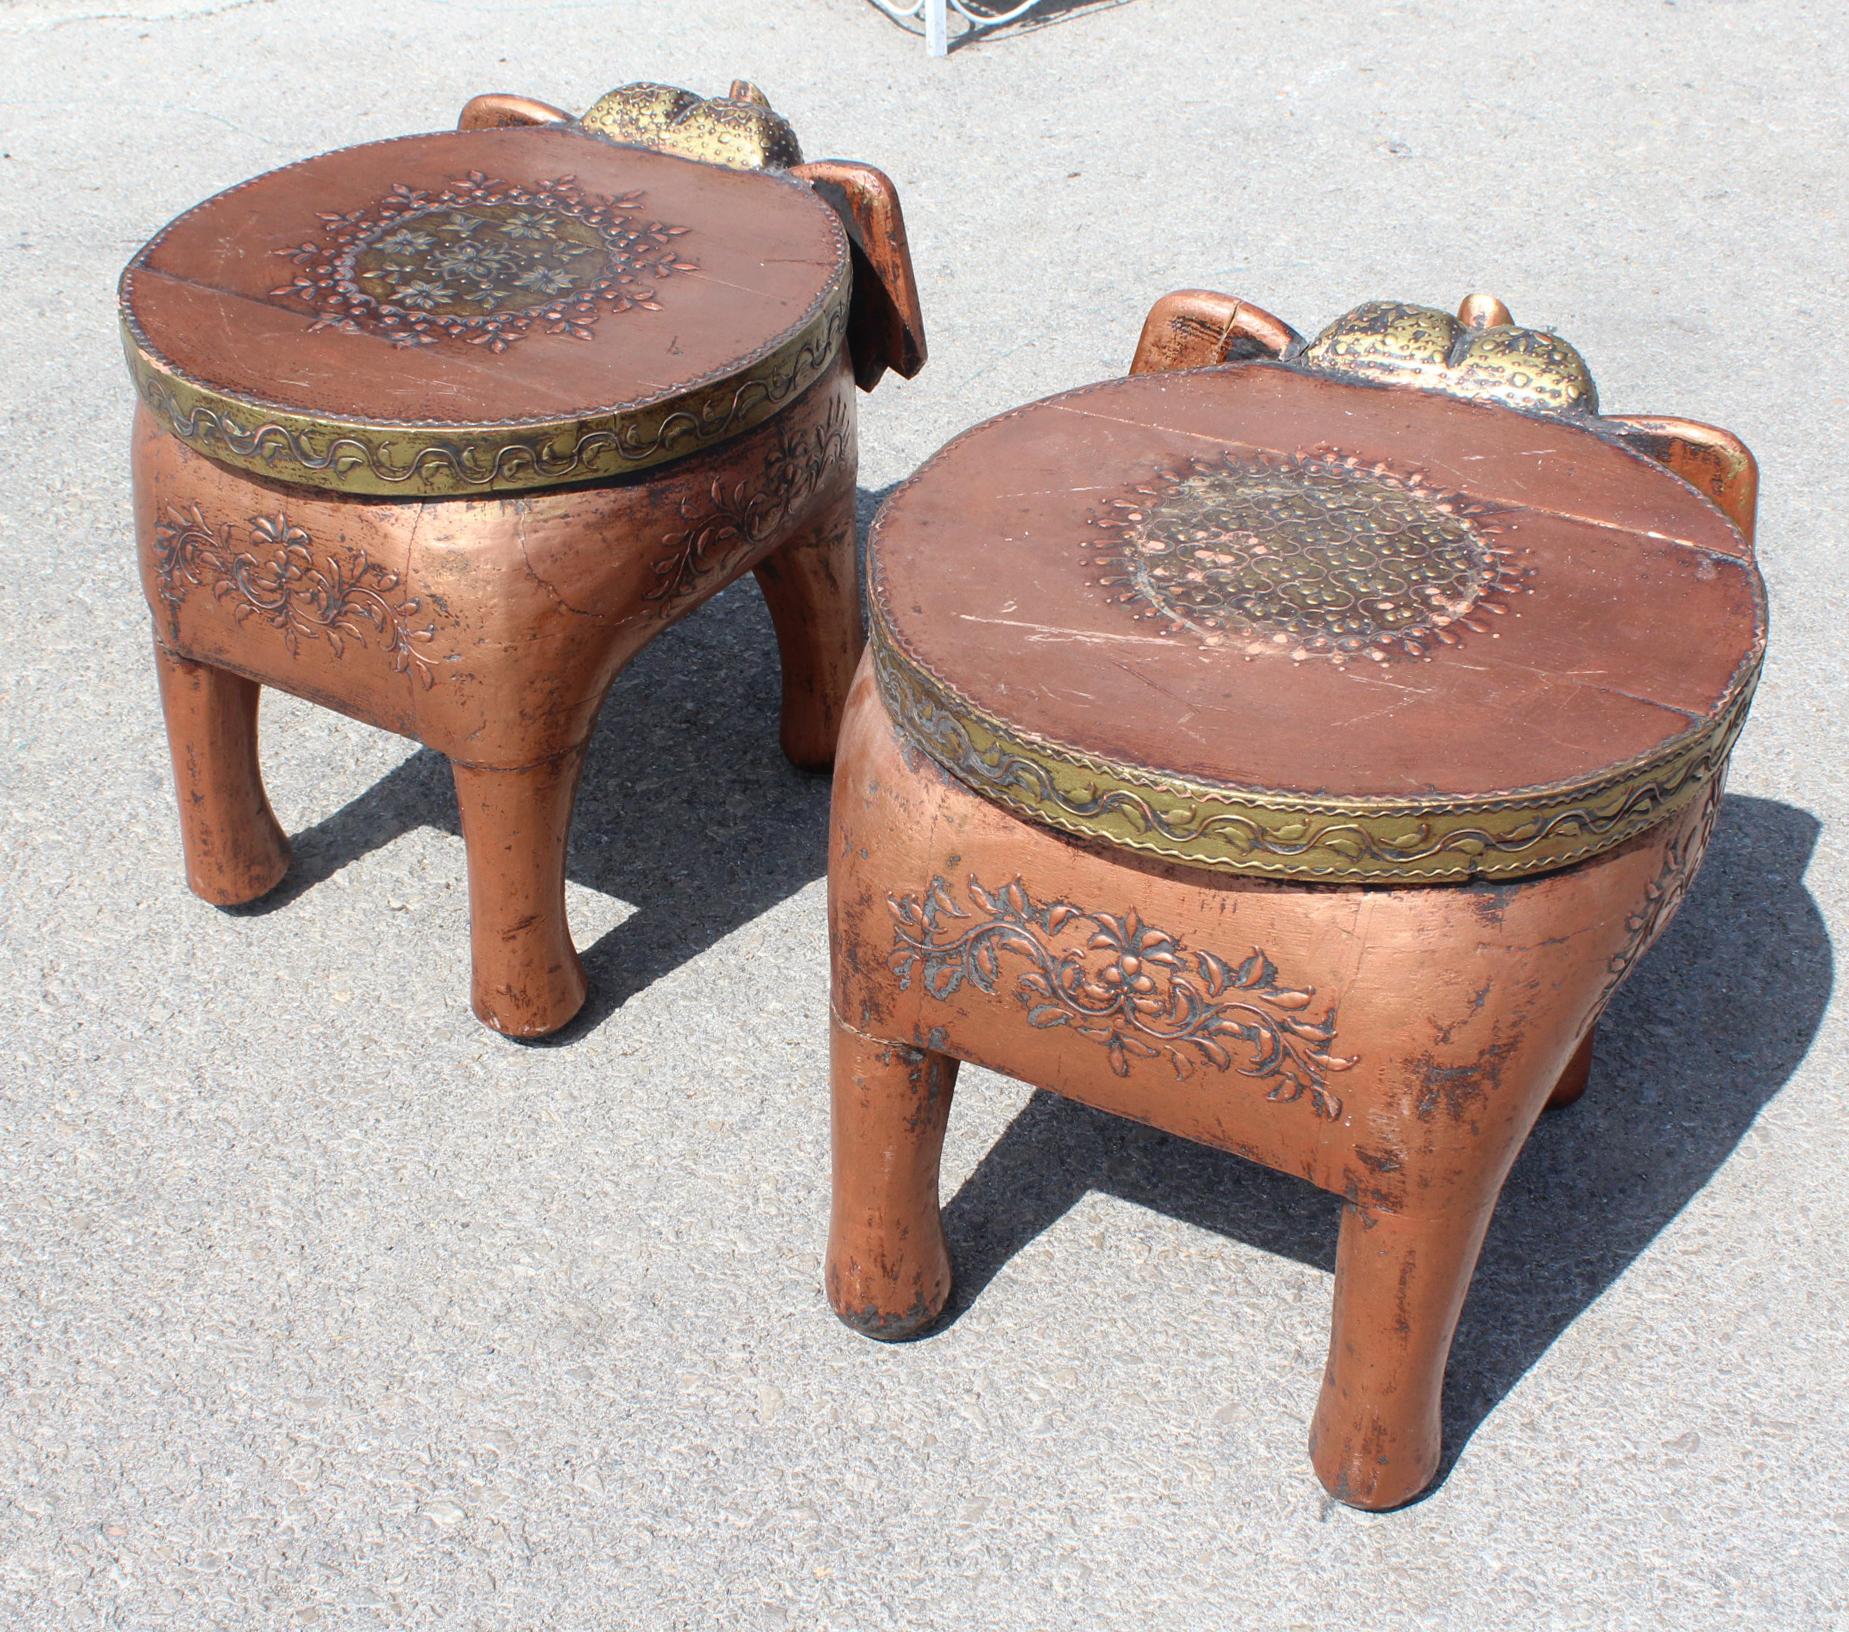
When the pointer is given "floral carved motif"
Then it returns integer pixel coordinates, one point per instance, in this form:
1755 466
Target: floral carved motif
277 578
483 261
732 521
1665 893
1315 556
1135 989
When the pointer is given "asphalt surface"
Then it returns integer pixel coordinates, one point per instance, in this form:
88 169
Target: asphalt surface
321 1306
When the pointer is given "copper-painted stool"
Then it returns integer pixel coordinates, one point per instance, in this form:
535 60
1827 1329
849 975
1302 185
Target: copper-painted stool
441 431
1295 755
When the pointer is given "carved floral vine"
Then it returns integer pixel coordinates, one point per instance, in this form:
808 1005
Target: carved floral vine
279 581
1665 893
1137 990
735 520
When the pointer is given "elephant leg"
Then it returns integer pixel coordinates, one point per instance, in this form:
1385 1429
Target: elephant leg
810 585
527 979
235 849
1572 1081
888 1264
1400 1282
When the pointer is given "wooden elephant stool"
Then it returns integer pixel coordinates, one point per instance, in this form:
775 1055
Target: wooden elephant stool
440 432
1294 754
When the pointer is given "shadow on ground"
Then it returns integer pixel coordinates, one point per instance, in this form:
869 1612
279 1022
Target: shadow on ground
687 808
1711 1025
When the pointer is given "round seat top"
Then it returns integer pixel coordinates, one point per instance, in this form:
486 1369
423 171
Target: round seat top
1264 620
480 311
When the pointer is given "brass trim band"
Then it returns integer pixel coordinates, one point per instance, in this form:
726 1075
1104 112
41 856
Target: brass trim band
428 459
1285 835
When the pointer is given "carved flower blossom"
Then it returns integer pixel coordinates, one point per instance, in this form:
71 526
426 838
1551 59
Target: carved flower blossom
546 279
405 241
423 295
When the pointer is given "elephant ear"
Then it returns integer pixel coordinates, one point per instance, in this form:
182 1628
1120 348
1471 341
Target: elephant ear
885 322
1198 328
499 110
1714 462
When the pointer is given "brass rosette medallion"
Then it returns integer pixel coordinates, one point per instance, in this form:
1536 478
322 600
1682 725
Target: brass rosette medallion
1317 555
1278 834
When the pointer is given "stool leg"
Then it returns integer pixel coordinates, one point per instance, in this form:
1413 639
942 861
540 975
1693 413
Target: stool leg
1399 1286
888 1265
527 978
814 601
235 849
1572 1081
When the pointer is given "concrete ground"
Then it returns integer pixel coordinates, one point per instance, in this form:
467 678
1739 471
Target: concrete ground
321 1306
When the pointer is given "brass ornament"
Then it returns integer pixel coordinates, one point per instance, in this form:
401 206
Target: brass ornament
1315 555
1278 834
739 130
1480 353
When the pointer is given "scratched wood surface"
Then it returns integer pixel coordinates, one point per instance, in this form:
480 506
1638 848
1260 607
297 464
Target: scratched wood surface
1257 577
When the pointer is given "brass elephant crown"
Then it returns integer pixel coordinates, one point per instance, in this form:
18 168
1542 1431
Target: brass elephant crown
1482 352
739 130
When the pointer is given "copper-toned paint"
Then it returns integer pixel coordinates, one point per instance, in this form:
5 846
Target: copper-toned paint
456 506
1391 1041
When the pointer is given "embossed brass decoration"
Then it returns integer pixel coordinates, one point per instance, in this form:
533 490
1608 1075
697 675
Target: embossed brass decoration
279 580
1136 989
1479 353
1317 555
484 261
1289 835
739 130
410 459
739 516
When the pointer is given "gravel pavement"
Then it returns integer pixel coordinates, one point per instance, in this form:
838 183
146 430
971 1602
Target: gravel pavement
322 1306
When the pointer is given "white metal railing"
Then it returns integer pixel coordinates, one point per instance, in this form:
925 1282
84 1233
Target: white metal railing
935 15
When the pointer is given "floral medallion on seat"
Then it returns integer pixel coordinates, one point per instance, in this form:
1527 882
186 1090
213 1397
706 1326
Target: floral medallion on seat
484 261
1318 555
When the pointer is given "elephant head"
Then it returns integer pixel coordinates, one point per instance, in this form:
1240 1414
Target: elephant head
1481 353
741 131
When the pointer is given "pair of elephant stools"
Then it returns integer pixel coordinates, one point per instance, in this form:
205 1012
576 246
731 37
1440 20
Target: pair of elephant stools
1291 745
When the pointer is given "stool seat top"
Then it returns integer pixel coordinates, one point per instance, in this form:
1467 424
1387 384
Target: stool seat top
1265 620
475 312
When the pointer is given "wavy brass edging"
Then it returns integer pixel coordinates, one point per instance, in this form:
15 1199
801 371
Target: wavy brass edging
1284 835
412 459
